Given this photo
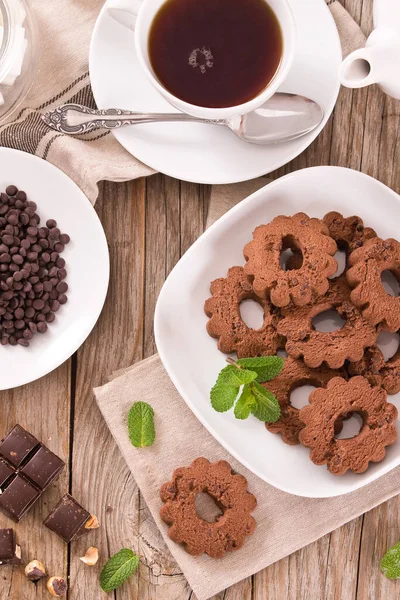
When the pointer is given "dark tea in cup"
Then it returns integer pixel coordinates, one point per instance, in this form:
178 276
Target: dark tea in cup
215 53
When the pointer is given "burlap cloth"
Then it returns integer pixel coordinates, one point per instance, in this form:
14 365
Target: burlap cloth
285 523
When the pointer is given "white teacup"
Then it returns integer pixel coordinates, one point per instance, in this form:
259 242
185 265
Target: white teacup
283 12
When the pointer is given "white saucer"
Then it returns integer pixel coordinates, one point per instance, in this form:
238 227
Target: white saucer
87 263
206 153
190 355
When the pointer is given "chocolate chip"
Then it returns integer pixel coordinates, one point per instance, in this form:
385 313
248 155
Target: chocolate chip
11 190
64 238
42 327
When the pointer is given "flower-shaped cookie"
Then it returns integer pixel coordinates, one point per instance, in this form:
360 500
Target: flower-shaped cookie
227 325
378 371
343 398
293 375
349 233
335 347
301 234
367 265
229 491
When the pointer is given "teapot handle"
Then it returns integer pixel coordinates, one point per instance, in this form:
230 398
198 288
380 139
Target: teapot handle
359 69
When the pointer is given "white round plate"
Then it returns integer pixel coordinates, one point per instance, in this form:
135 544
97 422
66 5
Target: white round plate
206 153
87 263
190 355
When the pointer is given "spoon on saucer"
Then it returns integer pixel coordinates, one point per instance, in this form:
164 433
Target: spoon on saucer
282 118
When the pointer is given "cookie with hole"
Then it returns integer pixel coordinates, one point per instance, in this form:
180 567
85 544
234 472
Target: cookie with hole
302 234
367 264
333 348
348 397
348 232
296 373
378 371
226 323
229 491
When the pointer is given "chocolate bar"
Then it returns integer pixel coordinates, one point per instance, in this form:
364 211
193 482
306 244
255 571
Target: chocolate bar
17 445
27 468
43 467
10 552
69 519
18 497
6 472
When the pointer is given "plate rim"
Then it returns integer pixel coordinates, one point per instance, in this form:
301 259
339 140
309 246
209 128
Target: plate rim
84 334
119 134
163 353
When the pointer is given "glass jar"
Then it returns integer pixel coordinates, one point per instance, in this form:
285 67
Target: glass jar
18 53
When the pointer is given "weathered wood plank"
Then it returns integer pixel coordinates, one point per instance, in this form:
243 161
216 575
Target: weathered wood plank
381 531
101 480
43 407
160 576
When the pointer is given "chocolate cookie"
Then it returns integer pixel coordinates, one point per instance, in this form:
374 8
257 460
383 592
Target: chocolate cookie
293 375
378 371
349 233
227 325
335 347
229 491
367 265
342 397
301 234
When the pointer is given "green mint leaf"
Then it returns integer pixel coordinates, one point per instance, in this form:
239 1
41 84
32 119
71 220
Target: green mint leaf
118 569
390 563
266 367
223 396
235 377
267 407
141 425
245 403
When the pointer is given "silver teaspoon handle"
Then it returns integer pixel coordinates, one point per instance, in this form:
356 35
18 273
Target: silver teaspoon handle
74 119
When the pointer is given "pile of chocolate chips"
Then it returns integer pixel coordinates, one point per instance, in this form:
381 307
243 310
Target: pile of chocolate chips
32 273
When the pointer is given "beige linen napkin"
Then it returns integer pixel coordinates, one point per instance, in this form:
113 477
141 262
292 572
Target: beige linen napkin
65 30
285 523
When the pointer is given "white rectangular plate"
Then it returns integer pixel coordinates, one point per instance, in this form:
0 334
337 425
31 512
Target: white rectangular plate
191 357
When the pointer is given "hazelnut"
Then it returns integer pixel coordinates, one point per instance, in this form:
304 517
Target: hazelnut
91 557
57 586
35 570
92 523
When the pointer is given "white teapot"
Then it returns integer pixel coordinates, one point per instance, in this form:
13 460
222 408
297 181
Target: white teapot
379 61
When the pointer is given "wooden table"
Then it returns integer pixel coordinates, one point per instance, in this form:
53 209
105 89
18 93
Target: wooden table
149 225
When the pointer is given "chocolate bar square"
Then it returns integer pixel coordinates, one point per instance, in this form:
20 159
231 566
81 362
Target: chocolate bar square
68 519
18 497
42 467
6 471
10 552
17 445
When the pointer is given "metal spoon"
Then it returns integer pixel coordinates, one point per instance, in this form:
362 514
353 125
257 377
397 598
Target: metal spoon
284 117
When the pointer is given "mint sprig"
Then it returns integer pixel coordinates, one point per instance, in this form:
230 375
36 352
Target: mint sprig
245 403
235 377
141 425
390 563
266 367
239 383
118 569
